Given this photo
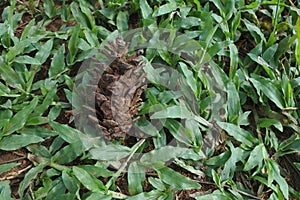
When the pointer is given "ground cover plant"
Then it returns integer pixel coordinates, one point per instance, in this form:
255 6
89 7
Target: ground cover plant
149 99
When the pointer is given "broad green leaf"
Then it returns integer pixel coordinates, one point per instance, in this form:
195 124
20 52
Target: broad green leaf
239 134
230 166
67 133
274 173
176 180
110 152
70 182
152 195
37 131
19 47
27 60
267 122
68 153
19 119
263 63
7 167
57 191
216 195
243 119
234 60
162 154
58 62
44 51
79 16
147 127
179 132
233 101
135 177
50 8
29 177
218 160
122 21
292 147
91 38
256 157
13 142
217 47
47 101
189 22
145 9
157 183
255 31
11 77
97 196
88 15
165 9
5 191
73 44
97 170
216 178
189 76
90 182
269 89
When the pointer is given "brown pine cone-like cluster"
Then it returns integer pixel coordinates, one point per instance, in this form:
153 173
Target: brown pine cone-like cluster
118 95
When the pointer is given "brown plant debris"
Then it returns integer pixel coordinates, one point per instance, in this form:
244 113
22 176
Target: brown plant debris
119 90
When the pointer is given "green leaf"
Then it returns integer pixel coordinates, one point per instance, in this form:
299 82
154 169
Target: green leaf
165 9
233 101
97 170
68 153
122 21
73 44
255 31
110 152
176 180
30 175
179 132
19 119
239 134
90 182
70 182
50 8
14 142
234 60
274 173
243 119
191 81
256 157
7 167
5 191
268 88
58 62
293 147
44 51
79 16
216 195
162 155
230 165
216 178
11 77
67 133
267 122
147 127
145 9
135 177
263 63
27 60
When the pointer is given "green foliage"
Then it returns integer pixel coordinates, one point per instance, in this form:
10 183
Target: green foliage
247 51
